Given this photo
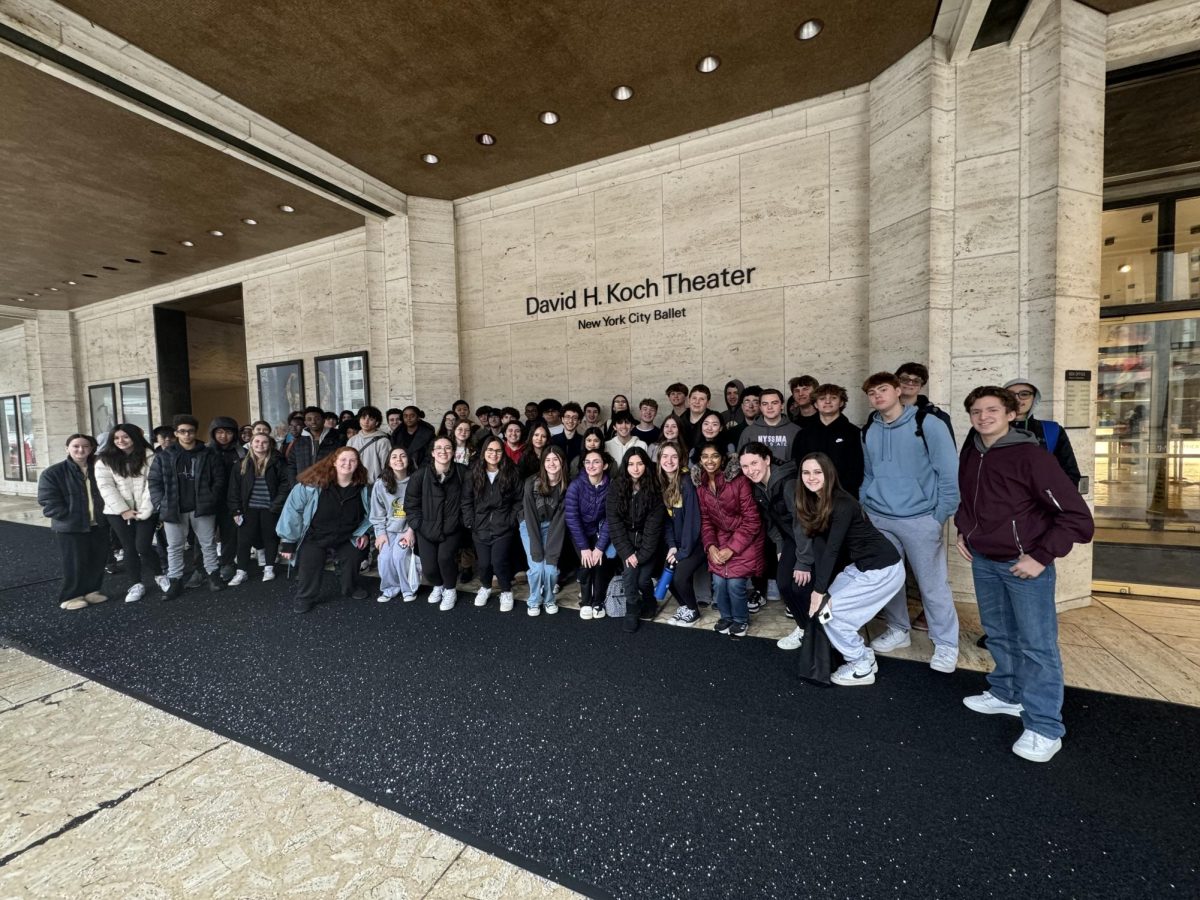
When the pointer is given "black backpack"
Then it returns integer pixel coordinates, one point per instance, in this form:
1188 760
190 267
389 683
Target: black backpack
922 413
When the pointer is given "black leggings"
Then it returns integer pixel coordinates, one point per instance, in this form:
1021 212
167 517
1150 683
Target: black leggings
83 558
593 581
638 582
137 540
439 561
494 558
681 582
796 597
310 565
257 530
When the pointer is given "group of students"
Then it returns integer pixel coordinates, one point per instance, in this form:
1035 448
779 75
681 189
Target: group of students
770 493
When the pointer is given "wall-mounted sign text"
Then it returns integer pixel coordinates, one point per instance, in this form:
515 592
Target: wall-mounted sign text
669 285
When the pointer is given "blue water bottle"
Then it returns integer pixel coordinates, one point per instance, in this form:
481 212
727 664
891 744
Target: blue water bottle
664 582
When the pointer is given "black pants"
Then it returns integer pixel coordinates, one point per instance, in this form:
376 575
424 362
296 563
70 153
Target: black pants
494 558
137 540
638 585
257 530
83 557
681 582
227 534
593 582
310 564
796 597
439 561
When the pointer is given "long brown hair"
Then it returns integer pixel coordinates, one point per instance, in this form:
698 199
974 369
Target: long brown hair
815 510
544 487
672 492
322 473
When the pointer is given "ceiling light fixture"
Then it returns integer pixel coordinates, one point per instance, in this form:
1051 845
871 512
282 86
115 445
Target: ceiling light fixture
187 243
71 282
249 221
1147 218
1125 268
809 30
708 64
216 233
1109 241
548 118
130 260
54 289
486 139
287 209
86 275
430 159
109 268
622 92
159 252
20 299
36 294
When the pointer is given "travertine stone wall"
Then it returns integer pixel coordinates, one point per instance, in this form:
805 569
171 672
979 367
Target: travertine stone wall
14 380
53 389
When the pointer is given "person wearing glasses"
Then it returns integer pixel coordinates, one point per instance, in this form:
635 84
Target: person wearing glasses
913 377
1051 435
187 487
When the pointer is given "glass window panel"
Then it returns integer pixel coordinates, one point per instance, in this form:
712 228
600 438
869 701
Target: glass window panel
25 402
1128 267
340 384
10 444
135 405
1186 260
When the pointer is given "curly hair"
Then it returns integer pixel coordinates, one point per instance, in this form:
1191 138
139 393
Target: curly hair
323 473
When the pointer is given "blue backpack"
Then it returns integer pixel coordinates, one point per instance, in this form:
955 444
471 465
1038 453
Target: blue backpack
1050 432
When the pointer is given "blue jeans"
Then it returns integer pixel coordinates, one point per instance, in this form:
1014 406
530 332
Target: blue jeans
730 594
1022 636
542 575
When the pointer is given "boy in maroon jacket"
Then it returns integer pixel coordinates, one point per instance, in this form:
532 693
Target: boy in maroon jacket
1018 513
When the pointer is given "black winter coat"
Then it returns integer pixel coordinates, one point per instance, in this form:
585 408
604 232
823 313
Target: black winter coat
417 445
841 441
434 507
491 512
640 529
61 495
164 483
777 506
302 455
237 497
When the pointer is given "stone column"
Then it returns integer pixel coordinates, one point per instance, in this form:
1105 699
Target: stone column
57 410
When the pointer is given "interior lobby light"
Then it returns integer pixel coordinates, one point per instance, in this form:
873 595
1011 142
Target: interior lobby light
429 159
548 118
622 92
187 243
250 221
216 232
72 282
708 64
287 209
809 30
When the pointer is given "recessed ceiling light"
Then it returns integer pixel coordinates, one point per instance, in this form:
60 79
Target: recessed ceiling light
249 221
1109 241
809 30
708 64
187 243
36 294
548 118
54 289
72 282
109 268
486 139
622 92
129 260
287 209
159 252
1125 268
429 159
86 275
20 299
216 232
1147 218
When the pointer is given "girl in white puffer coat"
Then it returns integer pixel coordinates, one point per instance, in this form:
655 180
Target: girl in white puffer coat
122 468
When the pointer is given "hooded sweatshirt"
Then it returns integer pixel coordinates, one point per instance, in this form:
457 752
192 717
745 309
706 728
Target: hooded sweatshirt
1062 449
733 415
901 478
1017 500
780 438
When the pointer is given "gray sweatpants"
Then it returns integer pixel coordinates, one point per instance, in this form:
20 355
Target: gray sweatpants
854 599
921 542
177 532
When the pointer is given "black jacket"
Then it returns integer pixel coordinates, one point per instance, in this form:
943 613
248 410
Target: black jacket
639 530
1062 450
492 512
417 445
61 495
164 482
777 506
841 441
302 455
237 497
550 508
850 538
434 507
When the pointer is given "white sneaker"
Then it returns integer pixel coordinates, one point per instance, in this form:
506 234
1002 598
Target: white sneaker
945 659
598 612
481 596
118 556
382 598
585 612
1036 747
534 610
163 582
989 704
449 598
551 609
268 573
262 558
435 595
856 674
409 598
239 577
136 593
892 639
792 641
506 601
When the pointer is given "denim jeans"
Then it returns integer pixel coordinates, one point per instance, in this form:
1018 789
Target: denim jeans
542 575
730 594
1022 636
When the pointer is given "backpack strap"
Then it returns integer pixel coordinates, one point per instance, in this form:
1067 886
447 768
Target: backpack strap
1051 431
922 412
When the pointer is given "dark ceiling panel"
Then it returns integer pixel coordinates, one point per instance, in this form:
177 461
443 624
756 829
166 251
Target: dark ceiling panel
378 84
1152 123
86 184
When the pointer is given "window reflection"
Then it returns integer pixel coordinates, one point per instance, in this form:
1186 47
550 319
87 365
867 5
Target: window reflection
1127 262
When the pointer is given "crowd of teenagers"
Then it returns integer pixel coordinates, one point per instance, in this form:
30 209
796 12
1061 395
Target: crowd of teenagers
769 495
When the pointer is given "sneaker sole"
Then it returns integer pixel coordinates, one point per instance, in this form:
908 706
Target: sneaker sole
891 649
1016 713
1037 758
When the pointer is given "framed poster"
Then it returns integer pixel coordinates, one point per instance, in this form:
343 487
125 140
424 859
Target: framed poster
342 382
280 391
102 400
28 452
135 405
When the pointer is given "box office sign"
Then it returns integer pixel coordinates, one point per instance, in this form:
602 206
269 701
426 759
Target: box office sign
610 297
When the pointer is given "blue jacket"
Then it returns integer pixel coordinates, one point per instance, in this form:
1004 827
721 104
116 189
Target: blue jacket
901 478
298 513
682 529
586 518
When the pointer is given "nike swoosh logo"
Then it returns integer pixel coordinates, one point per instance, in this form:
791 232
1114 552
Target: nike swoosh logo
858 677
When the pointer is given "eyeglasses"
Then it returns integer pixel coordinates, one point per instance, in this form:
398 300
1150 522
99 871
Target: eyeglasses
910 379
493 450
1023 395
185 430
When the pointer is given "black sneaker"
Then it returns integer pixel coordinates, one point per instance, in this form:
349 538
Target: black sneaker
227 573
722 626
787 612
300 607
194 580
357 594
738 630
175 591
630 624
215 583
754 600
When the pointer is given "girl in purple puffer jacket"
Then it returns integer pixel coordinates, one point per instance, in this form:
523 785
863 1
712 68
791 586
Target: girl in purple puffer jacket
588 525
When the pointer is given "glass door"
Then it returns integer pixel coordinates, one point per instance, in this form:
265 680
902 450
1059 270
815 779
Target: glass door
28 454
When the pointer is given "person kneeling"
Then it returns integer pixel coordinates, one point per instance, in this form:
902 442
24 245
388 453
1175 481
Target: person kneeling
839 529
326 510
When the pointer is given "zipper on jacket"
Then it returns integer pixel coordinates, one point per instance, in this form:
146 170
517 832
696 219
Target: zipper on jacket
1017 537
975 503
1053 500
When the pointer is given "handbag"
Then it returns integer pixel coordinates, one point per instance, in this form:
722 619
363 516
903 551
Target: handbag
614 599
815 657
